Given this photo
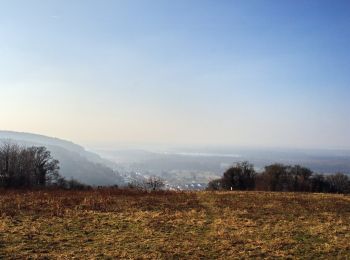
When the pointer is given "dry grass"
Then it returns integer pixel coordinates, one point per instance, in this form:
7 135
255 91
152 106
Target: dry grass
203 225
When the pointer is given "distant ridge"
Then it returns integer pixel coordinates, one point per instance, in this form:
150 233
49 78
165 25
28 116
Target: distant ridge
30 137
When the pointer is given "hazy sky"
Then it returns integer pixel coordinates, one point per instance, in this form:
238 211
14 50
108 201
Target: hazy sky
261 73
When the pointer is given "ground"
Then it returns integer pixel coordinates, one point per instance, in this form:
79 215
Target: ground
111 223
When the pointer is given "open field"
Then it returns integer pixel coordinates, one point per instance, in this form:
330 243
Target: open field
130 224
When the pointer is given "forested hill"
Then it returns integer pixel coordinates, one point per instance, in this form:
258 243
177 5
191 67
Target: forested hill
75 161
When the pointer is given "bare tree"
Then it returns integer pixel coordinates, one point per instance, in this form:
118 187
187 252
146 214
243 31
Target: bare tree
239 177
215 185
338 183
154 183
46 168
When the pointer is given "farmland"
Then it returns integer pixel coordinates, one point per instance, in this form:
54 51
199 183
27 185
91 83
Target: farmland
129 224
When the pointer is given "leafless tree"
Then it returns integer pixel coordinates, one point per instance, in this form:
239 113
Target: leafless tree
26 166
154 183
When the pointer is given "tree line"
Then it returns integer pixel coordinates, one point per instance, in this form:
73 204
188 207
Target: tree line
280 177
30 167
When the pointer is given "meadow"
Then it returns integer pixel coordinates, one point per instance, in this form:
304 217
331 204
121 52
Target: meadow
131 224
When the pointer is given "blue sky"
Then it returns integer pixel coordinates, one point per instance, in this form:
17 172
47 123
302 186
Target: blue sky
257 73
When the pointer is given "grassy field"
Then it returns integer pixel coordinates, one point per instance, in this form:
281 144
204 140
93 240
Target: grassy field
203 225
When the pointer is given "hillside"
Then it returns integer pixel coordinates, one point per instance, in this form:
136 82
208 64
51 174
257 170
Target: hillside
127 224
75 161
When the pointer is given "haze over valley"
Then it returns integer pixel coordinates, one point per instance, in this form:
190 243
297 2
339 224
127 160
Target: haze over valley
181 167
198 165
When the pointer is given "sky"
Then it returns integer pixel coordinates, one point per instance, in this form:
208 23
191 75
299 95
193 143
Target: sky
194 72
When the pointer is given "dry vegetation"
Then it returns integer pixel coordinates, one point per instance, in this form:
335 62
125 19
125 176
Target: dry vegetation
126 224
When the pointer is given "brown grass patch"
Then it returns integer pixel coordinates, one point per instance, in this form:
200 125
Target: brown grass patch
111 223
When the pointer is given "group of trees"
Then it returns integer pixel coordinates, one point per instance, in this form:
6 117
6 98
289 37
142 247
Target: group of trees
279 177
29 167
